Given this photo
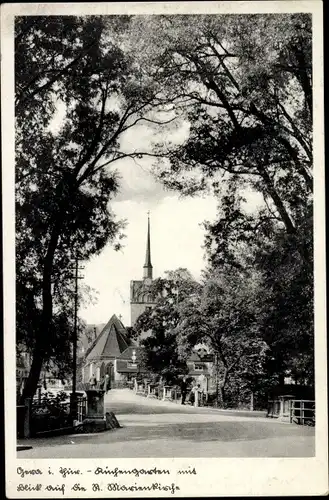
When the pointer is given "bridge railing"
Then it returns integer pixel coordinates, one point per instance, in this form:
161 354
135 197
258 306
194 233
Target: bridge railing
302 411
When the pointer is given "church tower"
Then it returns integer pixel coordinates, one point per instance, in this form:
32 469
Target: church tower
140 297
148 268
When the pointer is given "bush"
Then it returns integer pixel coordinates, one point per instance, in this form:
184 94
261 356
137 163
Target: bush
52 412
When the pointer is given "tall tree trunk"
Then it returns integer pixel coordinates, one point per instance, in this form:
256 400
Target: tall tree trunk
32 381
301 246
38 353
304 78
221 390
65 189
286 219
220 397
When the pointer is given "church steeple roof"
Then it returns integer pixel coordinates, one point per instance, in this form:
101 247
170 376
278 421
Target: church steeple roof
148 268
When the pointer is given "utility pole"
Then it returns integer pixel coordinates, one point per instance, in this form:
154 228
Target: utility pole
75 336
75 327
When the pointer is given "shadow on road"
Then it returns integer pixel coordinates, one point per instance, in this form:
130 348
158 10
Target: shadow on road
217 431
225 431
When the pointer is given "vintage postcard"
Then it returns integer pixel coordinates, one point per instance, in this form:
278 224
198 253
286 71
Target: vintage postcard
164 249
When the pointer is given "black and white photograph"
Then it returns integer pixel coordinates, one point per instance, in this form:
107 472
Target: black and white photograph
165 244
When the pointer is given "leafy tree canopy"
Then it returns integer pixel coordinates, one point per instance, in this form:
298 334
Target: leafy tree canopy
77 94
161 353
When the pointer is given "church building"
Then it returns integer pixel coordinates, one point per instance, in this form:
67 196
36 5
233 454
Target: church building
113 352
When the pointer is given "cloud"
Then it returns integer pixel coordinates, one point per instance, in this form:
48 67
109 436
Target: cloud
137 183
136 179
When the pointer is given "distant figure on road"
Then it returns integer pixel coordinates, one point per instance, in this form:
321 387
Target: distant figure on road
183 387
93 381
196 391
202 380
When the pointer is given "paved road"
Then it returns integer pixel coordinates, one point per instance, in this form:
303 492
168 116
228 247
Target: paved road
152 428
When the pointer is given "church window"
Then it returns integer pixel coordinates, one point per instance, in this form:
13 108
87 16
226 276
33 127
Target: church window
98 374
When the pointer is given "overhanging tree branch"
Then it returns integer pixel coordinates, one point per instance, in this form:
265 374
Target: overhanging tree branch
21 99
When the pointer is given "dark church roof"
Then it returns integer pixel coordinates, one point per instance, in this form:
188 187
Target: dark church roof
111 342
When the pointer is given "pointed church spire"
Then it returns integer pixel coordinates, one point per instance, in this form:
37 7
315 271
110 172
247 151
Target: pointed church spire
148 268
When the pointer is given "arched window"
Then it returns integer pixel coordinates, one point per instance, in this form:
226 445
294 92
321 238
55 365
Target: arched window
98 373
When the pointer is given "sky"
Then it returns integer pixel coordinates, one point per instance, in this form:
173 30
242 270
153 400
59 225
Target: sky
177 235
176 241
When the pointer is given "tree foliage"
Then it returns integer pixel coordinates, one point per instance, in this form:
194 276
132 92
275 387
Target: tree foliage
285 284
244 86
161 350
246 101
77 93
224 315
